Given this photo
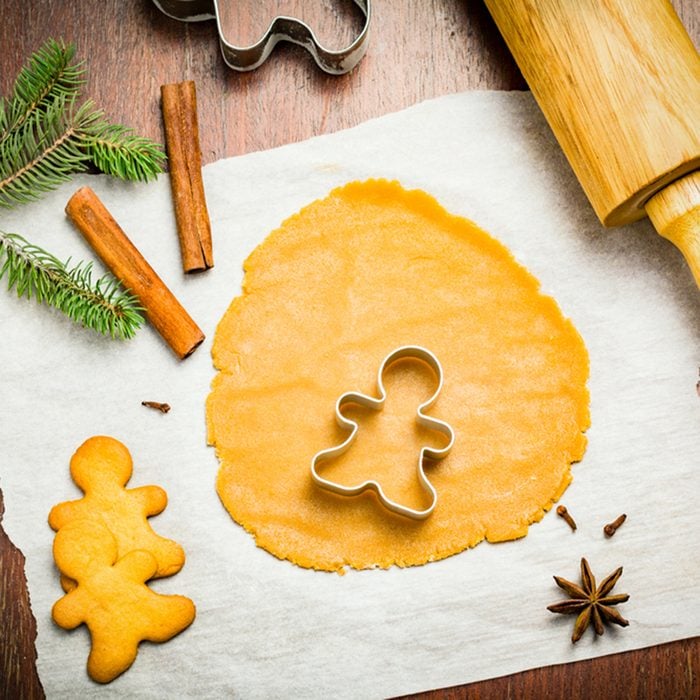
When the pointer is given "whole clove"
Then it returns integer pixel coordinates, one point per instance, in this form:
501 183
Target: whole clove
564 513
611 528
157 405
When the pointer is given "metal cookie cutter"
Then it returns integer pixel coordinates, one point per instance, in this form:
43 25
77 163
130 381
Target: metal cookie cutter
282 28
377 404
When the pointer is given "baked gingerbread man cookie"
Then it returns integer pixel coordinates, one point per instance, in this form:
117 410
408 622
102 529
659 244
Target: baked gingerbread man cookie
112 599
101 467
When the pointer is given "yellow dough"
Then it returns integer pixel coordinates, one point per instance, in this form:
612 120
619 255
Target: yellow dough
326 297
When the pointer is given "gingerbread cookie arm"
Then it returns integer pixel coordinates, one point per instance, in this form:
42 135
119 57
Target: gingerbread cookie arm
63 513
171 558
137 566
181 612
67 612
151 499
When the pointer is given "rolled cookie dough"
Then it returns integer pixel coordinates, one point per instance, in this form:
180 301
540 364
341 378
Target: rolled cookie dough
328 295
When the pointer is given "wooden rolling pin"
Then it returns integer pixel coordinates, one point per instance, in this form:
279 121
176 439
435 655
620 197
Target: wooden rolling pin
619 83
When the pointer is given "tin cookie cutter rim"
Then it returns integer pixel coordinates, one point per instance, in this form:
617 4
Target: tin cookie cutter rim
415 352
281 28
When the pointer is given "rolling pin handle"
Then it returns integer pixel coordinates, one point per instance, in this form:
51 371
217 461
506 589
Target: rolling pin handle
675 214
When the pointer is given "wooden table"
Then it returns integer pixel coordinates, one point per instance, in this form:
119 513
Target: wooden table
418 49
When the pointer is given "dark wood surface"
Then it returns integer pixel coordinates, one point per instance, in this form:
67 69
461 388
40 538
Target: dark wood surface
18 675
418 49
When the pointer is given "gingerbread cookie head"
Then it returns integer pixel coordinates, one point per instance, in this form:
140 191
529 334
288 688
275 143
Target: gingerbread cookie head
101 462
82 547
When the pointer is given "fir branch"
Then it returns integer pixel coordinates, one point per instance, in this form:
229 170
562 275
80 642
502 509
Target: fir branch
45 138
45 151
60 140
117 150
101 306
49 73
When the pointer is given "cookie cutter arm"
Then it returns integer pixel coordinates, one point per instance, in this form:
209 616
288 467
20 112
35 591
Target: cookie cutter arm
412 351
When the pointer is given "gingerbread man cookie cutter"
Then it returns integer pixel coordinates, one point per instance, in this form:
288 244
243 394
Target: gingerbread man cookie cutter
282 28
405 351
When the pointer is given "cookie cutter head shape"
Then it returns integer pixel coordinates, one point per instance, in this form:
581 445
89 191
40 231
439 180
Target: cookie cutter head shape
282 28
415 352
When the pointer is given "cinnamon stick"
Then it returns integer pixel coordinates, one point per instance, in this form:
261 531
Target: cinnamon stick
179 105
127 264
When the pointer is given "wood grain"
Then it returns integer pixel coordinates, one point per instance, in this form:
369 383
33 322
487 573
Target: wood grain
417 50
619 84
664 672
18 675
675 213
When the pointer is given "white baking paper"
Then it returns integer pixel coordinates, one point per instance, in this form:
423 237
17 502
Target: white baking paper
266 628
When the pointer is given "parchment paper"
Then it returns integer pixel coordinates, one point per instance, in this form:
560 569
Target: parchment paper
266 628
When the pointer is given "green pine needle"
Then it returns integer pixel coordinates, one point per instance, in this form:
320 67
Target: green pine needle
50 72
46 137
117 150
102 305
46 151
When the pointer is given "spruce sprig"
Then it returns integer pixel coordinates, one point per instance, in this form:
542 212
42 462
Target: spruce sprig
45 151
46 137
117 150
49 73
102 305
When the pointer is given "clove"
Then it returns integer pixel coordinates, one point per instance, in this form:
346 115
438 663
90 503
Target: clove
563 513
162 407
611 528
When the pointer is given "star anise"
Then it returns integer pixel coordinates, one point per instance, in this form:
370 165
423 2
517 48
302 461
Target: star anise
591 604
